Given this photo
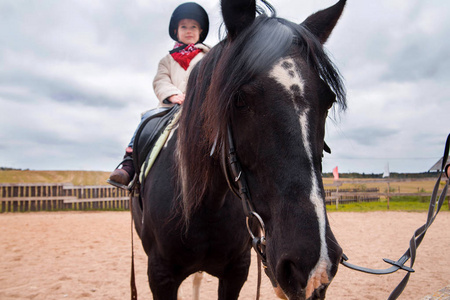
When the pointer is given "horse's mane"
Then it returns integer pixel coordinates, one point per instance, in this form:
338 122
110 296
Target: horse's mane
217 79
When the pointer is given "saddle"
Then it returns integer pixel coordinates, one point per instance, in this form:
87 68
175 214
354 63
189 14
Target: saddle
148 134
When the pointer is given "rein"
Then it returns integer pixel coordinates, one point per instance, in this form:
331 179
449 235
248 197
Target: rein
259 240
133 288
419 234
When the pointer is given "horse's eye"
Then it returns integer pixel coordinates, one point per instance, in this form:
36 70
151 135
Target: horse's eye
239 101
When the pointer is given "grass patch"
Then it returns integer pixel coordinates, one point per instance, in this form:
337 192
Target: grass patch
411 204
74 177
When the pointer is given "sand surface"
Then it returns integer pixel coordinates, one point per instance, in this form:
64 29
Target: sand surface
86 255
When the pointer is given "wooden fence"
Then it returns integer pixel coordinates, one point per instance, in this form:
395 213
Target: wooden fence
351 195
338 195
45 197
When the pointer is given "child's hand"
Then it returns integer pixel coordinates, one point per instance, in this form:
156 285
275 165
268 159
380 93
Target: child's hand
177 99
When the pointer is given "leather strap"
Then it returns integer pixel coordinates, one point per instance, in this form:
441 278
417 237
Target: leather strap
236 182
132 279
419 234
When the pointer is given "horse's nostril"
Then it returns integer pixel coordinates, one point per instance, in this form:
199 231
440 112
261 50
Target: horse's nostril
290 276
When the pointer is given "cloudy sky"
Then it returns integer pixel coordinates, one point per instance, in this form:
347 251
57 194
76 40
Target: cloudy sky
76 74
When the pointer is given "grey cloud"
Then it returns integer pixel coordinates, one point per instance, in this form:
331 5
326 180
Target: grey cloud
91 64
59 91
370 136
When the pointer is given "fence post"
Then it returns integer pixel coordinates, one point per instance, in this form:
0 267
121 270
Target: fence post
337 197
388 193
337 184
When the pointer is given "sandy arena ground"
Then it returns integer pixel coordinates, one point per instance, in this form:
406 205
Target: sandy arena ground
78 255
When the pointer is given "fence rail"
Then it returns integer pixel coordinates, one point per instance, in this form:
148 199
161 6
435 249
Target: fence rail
352 195
337 195
43 197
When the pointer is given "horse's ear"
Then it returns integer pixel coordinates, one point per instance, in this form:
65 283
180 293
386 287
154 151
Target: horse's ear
321 23
238 15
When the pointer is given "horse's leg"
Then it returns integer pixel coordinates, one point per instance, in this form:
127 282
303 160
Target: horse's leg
231 283
197 280
163 282
196 285
180 293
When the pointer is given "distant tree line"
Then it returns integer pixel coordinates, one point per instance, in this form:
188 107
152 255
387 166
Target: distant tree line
330 174
391 175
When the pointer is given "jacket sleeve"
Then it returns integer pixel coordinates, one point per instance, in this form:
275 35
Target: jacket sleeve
162 83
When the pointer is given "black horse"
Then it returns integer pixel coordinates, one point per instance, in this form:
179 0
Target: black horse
270 85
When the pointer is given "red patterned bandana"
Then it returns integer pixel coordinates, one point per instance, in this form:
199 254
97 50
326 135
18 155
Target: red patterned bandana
183 54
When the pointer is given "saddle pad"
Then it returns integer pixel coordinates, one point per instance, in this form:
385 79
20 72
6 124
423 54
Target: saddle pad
148 133
159 144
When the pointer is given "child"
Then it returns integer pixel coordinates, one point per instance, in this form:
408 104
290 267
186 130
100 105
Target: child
189 27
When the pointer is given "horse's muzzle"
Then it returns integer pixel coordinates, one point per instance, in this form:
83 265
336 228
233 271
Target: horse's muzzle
296 286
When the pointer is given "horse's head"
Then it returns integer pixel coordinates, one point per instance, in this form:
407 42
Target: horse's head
273 84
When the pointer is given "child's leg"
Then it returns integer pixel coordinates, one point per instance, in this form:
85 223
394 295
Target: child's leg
144 116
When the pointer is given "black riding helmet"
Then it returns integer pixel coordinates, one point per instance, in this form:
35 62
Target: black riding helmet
189 10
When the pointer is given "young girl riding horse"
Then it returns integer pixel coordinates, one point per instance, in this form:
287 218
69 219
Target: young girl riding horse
189 27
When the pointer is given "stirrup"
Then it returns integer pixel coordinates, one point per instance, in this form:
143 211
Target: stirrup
128 187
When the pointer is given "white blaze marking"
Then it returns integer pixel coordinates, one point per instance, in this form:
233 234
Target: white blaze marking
285 72
287 77
319 275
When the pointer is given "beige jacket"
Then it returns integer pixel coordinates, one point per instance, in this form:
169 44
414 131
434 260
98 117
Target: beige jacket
171 78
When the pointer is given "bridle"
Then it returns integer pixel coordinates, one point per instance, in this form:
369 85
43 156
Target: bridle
238 185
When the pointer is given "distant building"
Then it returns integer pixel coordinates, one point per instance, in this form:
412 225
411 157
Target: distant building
437 166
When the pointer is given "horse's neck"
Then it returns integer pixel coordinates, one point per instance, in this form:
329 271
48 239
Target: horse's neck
200 179
215 195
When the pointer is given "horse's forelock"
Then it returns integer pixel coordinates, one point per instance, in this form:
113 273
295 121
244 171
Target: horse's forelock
317 58
248 56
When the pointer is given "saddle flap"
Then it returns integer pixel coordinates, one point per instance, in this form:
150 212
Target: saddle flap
148 132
